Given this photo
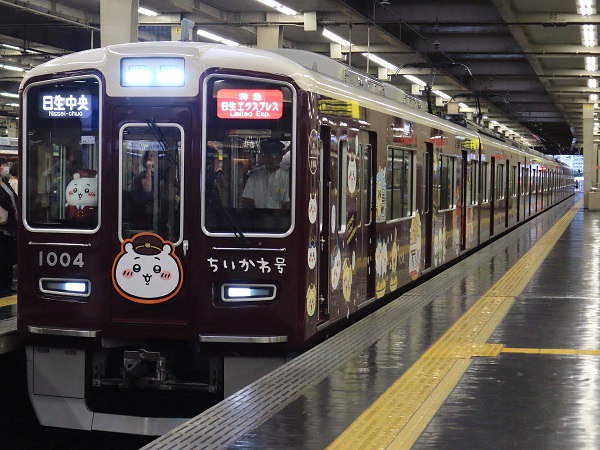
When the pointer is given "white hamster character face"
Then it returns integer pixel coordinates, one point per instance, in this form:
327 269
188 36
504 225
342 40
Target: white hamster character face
312 208
312 254
83 189
352 173
147 269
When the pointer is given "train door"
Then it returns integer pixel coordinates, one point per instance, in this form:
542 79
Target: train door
324 222
428 202
151 145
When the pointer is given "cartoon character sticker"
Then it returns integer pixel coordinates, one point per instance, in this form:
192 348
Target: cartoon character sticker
352 173
336 267
414 262
312 207
82 196
147 270
312 254
347 280
311 300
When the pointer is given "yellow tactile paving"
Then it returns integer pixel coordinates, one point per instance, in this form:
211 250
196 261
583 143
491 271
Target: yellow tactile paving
6 301
401 413
552 351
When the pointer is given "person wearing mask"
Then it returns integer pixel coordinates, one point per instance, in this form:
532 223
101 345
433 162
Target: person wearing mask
14 176
8 231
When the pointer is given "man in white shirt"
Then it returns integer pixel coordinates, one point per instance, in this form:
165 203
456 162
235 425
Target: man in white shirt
268 185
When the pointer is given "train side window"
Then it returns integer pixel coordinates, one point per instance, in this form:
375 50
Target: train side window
485 192
447 182
474 177
513 181
62 154
524 181
151 180
400 190
500 183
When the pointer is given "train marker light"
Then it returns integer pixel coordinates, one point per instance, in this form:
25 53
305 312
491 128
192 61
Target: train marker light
231 292
63 286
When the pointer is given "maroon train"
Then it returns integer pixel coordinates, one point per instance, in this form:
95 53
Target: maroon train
194 214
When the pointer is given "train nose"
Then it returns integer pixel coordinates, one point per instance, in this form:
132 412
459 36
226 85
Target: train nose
147 278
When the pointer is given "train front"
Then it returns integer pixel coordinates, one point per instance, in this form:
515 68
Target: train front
156 238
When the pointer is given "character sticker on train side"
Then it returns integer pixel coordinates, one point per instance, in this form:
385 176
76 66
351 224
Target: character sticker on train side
414 259
147 270
380 196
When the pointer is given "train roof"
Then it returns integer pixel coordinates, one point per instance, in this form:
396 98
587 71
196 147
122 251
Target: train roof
310 71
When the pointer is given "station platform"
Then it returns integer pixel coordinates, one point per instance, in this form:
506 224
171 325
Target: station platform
501 350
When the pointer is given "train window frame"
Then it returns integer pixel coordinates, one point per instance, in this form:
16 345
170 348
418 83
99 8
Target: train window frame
474 180
179 163
343 147
485 193
208 96
366 182
26 184
447 184
406 182
500 182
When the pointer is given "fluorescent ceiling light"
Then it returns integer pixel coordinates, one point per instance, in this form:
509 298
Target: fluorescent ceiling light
591 63
441 94
382 62
415 80
592 83
14 68
494 122
279 7
593 97
589 35
214 37
13 104
147 12
9 94
463 105
586 7
335 38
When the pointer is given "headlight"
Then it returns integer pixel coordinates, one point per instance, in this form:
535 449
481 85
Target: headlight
238 292
65 286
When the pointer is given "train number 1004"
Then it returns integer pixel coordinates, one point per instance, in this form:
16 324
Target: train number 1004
64 259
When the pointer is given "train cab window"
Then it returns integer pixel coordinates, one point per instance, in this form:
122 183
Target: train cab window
150 162
400 190
248 157
447 182
61 154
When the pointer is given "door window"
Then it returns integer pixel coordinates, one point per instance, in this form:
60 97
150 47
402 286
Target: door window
151 178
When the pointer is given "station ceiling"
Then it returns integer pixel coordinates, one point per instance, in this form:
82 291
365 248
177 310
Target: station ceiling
522 63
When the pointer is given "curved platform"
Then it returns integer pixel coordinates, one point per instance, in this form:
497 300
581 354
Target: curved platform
499 351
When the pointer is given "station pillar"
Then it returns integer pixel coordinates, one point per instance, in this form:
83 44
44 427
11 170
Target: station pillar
590 157
118 21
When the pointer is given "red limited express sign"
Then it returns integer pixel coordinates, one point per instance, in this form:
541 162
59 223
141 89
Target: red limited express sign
249 104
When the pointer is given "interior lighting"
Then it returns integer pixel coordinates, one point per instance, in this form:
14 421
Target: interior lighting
591 63
14 68
415 80
147 12
216 38
9 94
463 105
335 38
382 62
589 35
592 83
593 97
279 7
586 7
441 94
13 104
